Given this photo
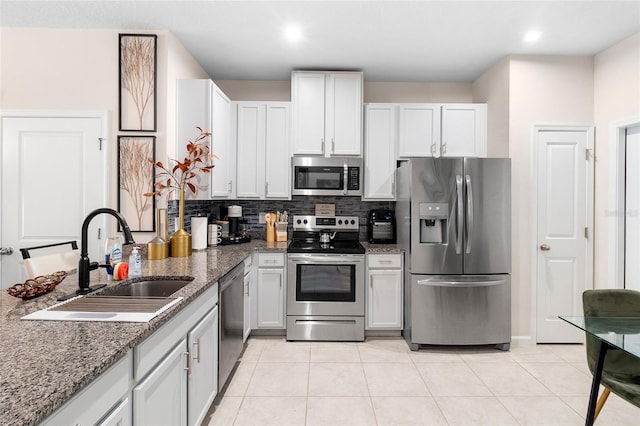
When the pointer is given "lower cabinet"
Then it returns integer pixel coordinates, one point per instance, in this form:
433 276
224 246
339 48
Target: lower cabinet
203 367
384 294
248 275
270 292
105 401
176 368
161 398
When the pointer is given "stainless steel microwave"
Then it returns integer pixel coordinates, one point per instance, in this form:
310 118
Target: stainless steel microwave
327 176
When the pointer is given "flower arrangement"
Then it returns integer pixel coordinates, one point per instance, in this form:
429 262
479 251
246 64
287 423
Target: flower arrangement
179 177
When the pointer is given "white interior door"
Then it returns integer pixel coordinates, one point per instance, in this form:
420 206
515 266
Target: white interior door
53 175
632 210
563 259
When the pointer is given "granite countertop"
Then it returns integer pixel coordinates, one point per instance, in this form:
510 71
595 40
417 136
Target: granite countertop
46 362
381 248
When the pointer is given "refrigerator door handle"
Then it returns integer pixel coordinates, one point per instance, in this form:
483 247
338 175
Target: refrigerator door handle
453 283
460 215
469 214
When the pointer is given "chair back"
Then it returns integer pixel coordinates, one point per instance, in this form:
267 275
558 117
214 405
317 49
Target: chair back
45 259
612 303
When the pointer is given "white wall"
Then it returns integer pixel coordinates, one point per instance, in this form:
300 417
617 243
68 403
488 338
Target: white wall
543 90
617 100
68 69
492 88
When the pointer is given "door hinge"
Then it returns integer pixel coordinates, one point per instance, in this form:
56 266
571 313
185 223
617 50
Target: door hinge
100 140
99 233
586 232
589 154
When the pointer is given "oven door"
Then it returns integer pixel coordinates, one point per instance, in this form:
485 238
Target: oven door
325 284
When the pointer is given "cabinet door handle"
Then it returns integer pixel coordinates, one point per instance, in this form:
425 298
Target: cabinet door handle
185 355
266 188
444 148
322 140
333 146
386 262
230 186
196 350
433 149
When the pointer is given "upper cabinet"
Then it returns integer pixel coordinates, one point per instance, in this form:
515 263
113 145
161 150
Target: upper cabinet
200 103
262 137
442 130
379 151
327 113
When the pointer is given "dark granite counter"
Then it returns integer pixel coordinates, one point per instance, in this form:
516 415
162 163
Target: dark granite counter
44 363
381 248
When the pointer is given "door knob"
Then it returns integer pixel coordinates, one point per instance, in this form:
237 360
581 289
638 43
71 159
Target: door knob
545 247
6 250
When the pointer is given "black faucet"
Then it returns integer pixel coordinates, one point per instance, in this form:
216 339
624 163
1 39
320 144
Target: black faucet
84 265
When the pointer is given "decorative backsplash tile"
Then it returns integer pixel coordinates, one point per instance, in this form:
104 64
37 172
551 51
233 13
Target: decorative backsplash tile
298 205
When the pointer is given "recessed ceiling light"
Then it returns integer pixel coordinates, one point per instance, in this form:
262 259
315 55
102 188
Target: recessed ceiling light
293 33
532 36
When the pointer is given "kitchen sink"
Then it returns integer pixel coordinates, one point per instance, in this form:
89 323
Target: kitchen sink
148 288
137 301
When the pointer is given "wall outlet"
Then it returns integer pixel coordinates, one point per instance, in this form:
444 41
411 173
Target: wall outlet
261 218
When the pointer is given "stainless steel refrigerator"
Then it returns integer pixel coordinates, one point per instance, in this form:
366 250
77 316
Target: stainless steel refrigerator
454 222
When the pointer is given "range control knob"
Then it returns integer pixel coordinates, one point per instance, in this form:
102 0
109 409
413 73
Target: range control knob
305 221
353 222
299 222
340 222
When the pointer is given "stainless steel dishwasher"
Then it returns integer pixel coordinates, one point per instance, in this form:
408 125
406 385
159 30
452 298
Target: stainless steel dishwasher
231 320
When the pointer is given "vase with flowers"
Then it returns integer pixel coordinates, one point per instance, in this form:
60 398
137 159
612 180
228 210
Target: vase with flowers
180 178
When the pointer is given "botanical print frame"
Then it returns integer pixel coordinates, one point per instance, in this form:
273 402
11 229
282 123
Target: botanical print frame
136 176
137 86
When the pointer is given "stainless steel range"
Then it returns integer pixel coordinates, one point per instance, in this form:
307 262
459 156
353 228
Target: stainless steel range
325 279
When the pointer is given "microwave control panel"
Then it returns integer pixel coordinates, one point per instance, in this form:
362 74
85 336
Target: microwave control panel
353 176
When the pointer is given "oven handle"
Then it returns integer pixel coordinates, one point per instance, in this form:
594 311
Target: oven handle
345 178
329 258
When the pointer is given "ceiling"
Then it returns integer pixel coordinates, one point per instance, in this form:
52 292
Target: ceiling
428 41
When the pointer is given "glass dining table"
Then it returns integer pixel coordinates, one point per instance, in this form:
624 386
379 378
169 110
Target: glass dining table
612 333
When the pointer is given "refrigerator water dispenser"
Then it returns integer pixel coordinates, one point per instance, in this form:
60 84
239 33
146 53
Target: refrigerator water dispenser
433 222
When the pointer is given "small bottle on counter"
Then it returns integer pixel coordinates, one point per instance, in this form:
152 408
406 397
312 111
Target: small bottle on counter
112 254
135 263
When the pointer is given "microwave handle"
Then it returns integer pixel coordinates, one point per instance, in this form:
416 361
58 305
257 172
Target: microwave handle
345 179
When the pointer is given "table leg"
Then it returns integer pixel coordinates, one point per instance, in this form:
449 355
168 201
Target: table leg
595 384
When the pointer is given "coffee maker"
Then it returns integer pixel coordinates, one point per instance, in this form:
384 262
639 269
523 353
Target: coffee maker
234 213
237 232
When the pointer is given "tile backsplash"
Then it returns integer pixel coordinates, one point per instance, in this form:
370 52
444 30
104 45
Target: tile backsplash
298 205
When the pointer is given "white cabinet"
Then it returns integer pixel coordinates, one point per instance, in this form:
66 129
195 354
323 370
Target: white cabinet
176 367
262 133
203 367
161 398
248 275
101 401
327 113
384 294
119 416
447 130
200 103
270 292
379 152
418 130
464 130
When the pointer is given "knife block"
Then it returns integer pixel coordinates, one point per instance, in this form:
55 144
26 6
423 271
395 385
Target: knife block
281 231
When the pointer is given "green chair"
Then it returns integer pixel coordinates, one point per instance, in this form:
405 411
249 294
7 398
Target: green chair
621 371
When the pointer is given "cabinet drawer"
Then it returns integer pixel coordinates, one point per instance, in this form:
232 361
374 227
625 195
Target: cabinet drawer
271 260
384 261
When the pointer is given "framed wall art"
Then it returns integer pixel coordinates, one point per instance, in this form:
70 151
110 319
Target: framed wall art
136 176
137 88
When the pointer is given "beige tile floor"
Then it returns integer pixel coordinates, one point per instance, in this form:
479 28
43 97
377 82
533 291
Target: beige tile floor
381 382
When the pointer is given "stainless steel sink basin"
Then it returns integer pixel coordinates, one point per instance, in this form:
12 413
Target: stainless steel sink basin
149 288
